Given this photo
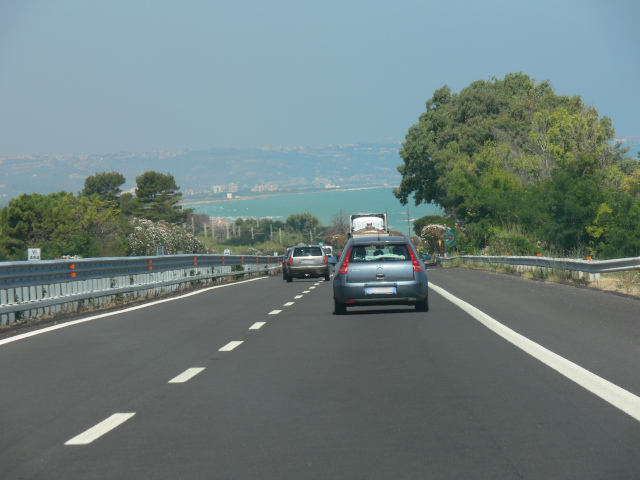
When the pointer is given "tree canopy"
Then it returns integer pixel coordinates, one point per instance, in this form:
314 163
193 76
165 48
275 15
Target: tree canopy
106 185
157 198
511 151
58 223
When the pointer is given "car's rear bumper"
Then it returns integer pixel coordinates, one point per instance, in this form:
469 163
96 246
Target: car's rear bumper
306 271
408 293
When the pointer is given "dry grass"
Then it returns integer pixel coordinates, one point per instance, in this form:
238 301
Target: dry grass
627 282
624 282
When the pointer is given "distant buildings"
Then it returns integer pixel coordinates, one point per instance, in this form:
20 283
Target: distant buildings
230 188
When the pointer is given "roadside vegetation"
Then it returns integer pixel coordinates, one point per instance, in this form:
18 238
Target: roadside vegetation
100 221
518 169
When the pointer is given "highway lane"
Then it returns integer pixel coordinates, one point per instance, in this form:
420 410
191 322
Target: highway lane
378 393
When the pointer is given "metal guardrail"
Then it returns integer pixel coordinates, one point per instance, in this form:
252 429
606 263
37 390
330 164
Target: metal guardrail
35 288
592 267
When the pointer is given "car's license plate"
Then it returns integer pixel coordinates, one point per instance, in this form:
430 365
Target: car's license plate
379 290
307 261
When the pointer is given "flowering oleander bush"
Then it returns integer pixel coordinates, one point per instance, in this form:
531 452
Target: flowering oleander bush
430 235
148 235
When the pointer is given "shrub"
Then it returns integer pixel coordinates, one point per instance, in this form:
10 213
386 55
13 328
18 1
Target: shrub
148 235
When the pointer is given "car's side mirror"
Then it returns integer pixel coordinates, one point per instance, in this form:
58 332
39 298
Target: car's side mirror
333 260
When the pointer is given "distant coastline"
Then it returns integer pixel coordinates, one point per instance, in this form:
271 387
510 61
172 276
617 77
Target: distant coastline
278 193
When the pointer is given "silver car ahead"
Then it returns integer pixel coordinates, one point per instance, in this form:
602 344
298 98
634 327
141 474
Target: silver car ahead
379 270
306 261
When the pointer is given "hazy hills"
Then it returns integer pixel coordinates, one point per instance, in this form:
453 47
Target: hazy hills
198 171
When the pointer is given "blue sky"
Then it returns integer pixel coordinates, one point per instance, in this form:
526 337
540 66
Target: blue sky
90 77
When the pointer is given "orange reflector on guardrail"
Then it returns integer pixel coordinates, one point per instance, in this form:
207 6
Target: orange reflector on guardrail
72 274
73 265
150 267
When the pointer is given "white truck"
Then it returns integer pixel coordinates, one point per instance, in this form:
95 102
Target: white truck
368 224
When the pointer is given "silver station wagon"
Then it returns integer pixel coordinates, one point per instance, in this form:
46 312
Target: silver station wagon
306 261
379 270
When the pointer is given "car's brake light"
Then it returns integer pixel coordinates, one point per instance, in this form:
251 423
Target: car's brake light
416 265
325 259
345 265
290 261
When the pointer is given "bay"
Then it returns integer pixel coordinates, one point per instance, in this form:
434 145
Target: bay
323 204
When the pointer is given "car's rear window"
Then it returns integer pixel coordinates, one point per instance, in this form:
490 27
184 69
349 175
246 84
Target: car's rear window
308 252
380 253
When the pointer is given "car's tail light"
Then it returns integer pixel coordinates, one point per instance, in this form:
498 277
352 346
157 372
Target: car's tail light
416 264
345 265
290 261
325 259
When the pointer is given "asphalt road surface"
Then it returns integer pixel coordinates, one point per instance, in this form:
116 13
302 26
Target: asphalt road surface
503 378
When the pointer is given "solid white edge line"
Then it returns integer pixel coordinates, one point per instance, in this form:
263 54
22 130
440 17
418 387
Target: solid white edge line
186 375
109 314
611 393
230 346
100 429
256 325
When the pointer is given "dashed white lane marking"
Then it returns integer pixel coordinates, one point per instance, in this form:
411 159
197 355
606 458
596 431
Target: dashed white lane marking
274 312
288 304
137 307
230 346
611 393
297 296
317 283
100 429
256 325
311 288
186 375
307 291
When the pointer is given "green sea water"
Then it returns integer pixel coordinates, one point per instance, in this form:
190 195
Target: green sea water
321 204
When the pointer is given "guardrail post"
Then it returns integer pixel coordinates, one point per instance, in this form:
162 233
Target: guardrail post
4 319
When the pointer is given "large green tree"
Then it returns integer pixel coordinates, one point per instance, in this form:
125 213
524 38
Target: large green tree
157 197
105 185
511 151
